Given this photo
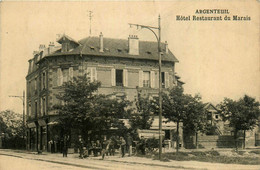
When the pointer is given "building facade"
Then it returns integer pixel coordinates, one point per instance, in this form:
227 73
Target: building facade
120 65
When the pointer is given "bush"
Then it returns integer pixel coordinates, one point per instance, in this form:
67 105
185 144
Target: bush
152 144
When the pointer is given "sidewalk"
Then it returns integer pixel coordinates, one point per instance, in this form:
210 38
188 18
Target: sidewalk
112 162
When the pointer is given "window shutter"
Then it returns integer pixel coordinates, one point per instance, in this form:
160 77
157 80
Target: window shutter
55 79
60 77
41 106
71 73
89 73
113 77
166 80
94 73
125 76
140 78
152 79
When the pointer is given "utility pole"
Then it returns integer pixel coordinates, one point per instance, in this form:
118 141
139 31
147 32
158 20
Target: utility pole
90 18
23 100
158 37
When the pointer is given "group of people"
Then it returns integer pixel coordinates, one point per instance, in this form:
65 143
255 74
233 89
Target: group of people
105 147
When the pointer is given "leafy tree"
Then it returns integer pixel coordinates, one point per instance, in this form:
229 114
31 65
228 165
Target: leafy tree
87 112
178 107
11 126
242 114
142 117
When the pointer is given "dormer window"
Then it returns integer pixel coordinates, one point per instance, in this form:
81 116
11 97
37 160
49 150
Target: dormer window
148 52
119 50
92 48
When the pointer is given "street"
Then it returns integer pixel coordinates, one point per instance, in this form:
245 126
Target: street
11 163
22 161
25 160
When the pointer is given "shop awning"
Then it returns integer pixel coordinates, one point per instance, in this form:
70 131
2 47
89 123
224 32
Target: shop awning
31 125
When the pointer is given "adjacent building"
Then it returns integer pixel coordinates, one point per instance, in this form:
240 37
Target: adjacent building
121 65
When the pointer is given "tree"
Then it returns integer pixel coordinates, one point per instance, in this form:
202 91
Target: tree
11 126
141 118
179 107
242 115
85 111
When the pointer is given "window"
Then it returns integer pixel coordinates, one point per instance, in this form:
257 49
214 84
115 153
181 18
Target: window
146 79
43 80
92 73
216 117
165 79
64 75
35 84
35 109
29 109
119 77
43 106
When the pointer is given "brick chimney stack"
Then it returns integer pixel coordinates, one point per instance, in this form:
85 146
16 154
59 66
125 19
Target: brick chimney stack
133 44
51 48
101 43
41 47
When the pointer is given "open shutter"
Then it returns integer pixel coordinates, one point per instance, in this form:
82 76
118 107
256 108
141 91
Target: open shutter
89 73
60 77
140 78
55 79
71 73
125 76
94 73
152 77
113 77
166 80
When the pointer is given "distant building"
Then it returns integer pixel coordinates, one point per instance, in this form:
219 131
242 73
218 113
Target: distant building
120 65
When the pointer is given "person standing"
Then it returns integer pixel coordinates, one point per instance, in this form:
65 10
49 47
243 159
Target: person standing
122 146
129 141
142 145
65 146
81 145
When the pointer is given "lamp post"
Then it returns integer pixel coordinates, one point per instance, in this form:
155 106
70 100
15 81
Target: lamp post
23 100
158 37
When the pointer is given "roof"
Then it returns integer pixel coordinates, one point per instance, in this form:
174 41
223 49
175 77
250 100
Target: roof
118 48
210 106
66 37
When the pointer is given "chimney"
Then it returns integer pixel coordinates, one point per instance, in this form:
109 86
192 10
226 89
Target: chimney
101 43
166 47
30 66
133 45
35 52
51 48
41 47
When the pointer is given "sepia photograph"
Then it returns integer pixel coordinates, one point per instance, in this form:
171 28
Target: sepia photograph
130 85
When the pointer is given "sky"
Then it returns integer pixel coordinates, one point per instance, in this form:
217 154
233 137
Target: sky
217 59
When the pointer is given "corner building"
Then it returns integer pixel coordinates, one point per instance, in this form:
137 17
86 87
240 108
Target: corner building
120 65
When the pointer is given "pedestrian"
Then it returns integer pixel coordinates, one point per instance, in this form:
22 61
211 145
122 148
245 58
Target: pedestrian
105 147
51 144
122 146
65 145
129 141
81 145
112 146
142 145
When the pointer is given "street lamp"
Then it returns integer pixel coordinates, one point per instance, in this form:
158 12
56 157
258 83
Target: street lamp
158 37
23 100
